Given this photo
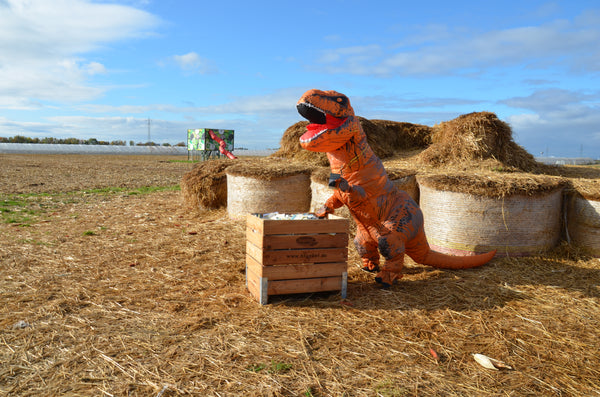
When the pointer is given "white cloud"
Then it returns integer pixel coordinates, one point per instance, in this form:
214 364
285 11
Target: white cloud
66 27
559 121
553 99
193 63
259 120
249 133
573 44
269 105
354 60
93 68
42 44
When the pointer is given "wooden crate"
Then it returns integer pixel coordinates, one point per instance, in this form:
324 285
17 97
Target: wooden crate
296 256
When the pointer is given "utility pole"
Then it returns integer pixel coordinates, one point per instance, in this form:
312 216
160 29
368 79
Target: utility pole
149 140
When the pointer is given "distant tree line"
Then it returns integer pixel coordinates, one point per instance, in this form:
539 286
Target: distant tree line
76 141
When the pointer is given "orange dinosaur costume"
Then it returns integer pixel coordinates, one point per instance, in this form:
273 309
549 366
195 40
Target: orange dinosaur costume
388 220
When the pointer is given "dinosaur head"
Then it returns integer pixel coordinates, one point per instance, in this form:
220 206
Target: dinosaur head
330 115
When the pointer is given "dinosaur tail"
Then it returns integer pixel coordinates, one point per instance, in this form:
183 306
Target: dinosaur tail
443 261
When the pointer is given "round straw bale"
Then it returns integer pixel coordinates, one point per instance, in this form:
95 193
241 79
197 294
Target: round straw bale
493 184
405 180
582 215
583 223
585 187
320 191
205 186
476 136
516 218
267 186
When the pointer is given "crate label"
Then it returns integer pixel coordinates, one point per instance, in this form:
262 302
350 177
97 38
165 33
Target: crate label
307 256
306 240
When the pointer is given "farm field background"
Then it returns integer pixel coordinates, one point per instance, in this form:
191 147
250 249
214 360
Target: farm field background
111 286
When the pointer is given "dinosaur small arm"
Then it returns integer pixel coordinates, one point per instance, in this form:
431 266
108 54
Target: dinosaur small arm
388 220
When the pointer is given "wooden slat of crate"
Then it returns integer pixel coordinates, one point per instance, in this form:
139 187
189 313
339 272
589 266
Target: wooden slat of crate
261 287
334 224
285 256
253 283
296 271
296 241
298 286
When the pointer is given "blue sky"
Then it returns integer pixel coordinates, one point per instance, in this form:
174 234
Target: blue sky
76 68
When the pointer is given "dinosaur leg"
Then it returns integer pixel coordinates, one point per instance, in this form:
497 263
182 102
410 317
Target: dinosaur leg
392 248
366 247
418 249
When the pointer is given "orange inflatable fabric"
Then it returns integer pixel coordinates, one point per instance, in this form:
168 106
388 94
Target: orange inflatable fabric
388 220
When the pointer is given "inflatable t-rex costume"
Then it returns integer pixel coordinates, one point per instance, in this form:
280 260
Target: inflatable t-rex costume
388 220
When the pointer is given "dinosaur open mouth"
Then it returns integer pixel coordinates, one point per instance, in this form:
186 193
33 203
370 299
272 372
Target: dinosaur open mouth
319 121
312 113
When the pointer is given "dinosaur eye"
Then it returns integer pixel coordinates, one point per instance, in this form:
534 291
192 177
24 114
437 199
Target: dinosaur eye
339 99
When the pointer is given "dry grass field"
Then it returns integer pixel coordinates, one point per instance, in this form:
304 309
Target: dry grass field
110 286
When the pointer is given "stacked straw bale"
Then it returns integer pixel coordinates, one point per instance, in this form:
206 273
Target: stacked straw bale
583 223
405 136
475 137
405 180
384 137
267 186
320 191
465 214
582 215
289 147
205 186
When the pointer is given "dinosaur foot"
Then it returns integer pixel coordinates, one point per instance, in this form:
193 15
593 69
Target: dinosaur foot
387 278
370 269
383 284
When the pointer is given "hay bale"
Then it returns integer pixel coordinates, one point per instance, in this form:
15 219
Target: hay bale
205 186
320 191
380 140
585 187
406 136
583 223
582 215
289 147
518 217
582 209
474 137
267 186
405 180
384 137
